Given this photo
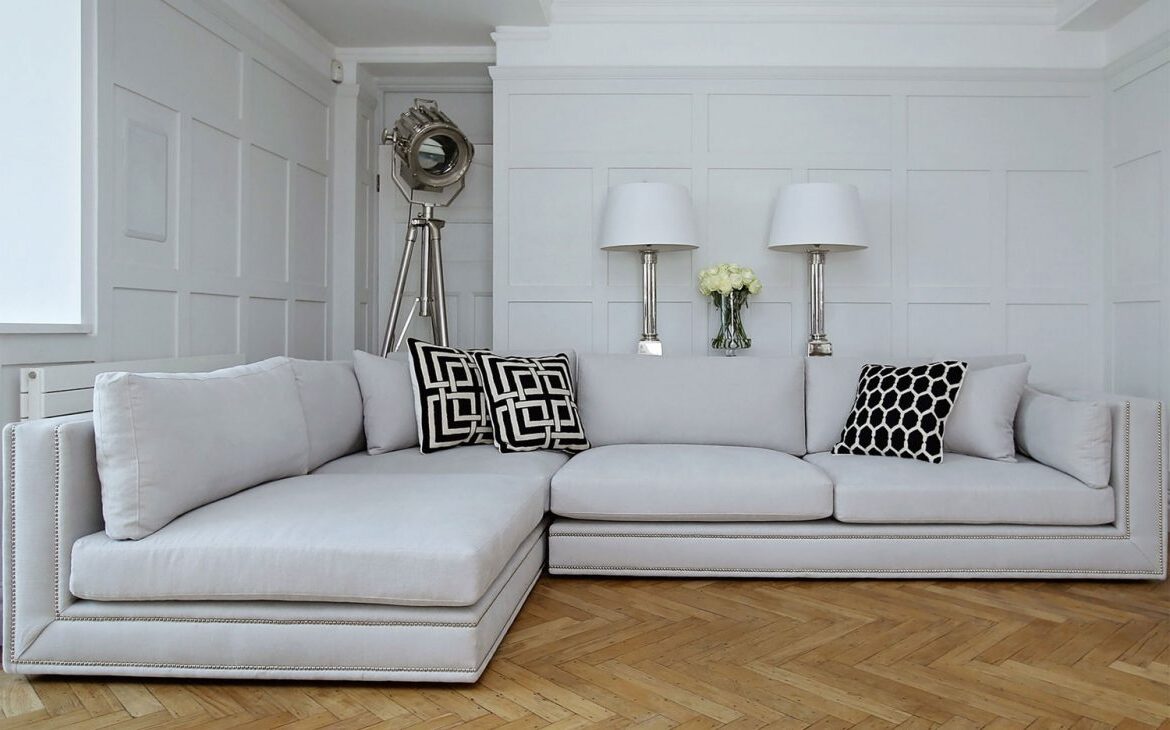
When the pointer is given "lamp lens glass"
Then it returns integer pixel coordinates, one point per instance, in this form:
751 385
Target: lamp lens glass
437 154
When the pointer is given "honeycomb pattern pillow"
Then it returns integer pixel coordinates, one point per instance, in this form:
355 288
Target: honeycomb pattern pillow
902 411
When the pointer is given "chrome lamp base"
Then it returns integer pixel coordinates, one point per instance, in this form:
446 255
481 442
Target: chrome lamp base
650 347
819 348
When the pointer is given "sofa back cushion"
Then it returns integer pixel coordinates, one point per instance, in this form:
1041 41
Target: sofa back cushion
332 404
168 443
983 421
387 401
1072 436
830 387
723 401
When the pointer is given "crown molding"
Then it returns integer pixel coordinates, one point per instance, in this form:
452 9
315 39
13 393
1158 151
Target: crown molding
263 24
512 33
1093 14
434 83
996 12
279 25
297 25
416 54
788 73
1152 53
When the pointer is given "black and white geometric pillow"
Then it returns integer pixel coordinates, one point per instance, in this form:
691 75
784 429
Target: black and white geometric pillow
902 411
449 403
531 403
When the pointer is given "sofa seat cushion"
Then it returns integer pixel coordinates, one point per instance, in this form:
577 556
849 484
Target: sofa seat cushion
682 482
406 540
961 490
462 460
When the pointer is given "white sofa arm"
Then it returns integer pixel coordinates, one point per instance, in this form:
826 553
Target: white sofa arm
1138 470
52 497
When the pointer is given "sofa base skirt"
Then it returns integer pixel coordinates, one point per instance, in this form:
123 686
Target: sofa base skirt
277 640
830 549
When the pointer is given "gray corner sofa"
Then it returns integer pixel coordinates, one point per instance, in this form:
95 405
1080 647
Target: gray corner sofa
305 557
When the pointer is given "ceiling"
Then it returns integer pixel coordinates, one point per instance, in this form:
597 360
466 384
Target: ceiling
381 23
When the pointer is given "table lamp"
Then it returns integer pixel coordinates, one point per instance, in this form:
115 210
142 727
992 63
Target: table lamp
816 218
649 218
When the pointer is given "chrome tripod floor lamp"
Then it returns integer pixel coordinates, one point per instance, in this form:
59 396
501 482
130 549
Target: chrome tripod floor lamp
817 218
649 218
432 158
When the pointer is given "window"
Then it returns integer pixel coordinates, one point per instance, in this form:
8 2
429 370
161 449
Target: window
40 167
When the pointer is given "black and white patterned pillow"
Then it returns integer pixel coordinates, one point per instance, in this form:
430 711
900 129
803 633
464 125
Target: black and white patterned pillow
902 411
449 404
531 403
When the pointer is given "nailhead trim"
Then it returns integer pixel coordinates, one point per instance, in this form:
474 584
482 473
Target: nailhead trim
265 621
275 667
57 607
12 545
858 574
241 667
1161 490
834 537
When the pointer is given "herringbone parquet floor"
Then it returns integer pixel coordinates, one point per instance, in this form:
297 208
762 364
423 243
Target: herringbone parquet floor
686 653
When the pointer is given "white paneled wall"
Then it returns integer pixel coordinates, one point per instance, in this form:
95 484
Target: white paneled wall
214 230
467 236
981 195
1138 183
205 187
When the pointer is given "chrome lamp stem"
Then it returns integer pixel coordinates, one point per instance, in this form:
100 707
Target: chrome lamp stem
818 341
649 344
424 234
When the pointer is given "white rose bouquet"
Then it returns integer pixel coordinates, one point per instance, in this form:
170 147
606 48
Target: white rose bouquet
729 286
726 278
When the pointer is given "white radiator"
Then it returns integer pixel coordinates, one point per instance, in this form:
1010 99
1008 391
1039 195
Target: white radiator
60 390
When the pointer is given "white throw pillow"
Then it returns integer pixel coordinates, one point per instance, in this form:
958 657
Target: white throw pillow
1072 436
333 408
983 422
170 442
982 362
387 401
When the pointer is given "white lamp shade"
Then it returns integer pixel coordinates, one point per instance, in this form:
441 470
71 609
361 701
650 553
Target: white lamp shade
818 217
648 216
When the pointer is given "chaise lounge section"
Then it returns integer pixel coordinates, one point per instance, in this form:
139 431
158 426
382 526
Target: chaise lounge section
372 567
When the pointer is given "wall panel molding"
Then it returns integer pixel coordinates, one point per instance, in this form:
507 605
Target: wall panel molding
1137 193
978 188
234 240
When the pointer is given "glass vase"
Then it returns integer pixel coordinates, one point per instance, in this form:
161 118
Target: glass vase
731 336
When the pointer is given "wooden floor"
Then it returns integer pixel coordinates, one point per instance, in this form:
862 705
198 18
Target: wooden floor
685 653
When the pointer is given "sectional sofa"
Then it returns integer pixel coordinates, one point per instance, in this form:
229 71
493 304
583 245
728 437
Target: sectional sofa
251 534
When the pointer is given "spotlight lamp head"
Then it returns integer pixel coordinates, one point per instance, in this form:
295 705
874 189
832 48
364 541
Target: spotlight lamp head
433 155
